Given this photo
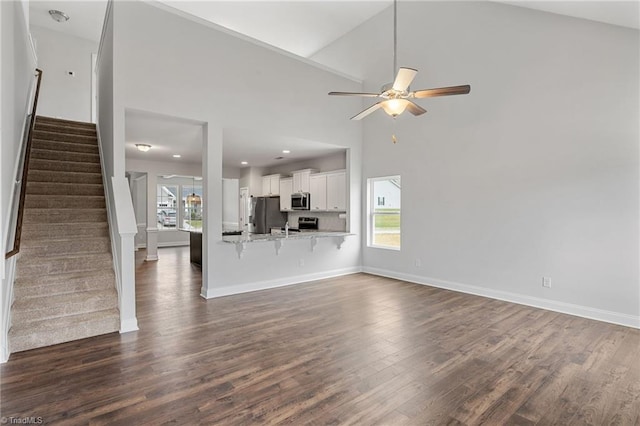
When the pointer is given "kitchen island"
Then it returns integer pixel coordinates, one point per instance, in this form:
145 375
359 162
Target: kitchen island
241 241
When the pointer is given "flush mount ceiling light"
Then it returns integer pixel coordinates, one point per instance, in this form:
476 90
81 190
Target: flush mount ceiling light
143 147
286 151
58 16
396 96
177 155
244 163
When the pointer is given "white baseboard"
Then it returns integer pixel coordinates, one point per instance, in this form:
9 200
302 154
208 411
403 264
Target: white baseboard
281 282
536 302
177 244
129 325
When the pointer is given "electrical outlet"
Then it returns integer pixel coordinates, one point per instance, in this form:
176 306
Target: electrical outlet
546 282
418 263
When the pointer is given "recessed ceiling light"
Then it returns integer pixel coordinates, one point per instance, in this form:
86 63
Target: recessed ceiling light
177 155
143 147
58 16
286 151
244 163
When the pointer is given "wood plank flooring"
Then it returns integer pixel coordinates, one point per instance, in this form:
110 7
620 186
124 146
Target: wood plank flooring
358 349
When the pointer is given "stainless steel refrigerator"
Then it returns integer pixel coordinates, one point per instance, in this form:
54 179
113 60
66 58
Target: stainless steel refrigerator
265 214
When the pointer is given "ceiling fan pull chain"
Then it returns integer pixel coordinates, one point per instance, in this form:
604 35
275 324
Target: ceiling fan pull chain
393 135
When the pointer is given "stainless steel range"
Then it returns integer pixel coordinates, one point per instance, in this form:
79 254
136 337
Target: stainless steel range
308 223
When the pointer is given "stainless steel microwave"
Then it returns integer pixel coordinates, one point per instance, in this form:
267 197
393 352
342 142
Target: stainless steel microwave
300 201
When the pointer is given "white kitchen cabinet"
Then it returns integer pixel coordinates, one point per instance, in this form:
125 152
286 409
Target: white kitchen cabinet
336 191
286 189
318 191
271 185
301 180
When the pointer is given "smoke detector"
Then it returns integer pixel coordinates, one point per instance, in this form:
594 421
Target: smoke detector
58 16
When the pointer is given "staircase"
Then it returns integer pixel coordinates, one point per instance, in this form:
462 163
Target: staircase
65 284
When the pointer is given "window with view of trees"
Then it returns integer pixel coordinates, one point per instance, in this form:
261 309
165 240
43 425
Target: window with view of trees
384 212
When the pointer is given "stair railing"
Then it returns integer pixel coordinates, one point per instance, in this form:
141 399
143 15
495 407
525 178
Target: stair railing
21 178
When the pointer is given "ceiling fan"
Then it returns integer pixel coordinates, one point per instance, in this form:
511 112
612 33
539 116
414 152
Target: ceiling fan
397 95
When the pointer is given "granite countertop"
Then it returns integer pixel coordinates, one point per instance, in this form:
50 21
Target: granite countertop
251 238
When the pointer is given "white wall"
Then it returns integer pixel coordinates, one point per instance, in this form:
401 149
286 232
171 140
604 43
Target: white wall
231 172
62 95
251 177
169 65
325 163
534 173
17 67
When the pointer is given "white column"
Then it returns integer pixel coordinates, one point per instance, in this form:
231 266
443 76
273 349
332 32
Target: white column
212 191
128 319
152 220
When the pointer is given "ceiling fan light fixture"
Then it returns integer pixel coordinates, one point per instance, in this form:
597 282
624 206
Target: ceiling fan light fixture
394 107
397 96
58 15
143 147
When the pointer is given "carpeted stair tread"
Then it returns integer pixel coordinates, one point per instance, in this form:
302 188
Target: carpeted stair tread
64 283
42 201
64 329
64 177
68 246
38 231
65 128
64 215
64 137
49 306
78 157
28 266
63 166
64 122
65 146
57 188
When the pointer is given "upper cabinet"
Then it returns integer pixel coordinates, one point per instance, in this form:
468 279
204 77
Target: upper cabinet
301 180
337 191
328 191
318 191
286 189
271 185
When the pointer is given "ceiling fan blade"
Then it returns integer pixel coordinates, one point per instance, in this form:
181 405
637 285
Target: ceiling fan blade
367 111
442 91
415 109
404 78
367 95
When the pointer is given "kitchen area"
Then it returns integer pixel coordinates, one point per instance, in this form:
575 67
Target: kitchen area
300 204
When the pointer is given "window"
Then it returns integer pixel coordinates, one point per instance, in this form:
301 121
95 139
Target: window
167 204
192 207
384 212
179 203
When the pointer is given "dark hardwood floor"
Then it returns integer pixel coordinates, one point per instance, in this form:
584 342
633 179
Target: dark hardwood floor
358 349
